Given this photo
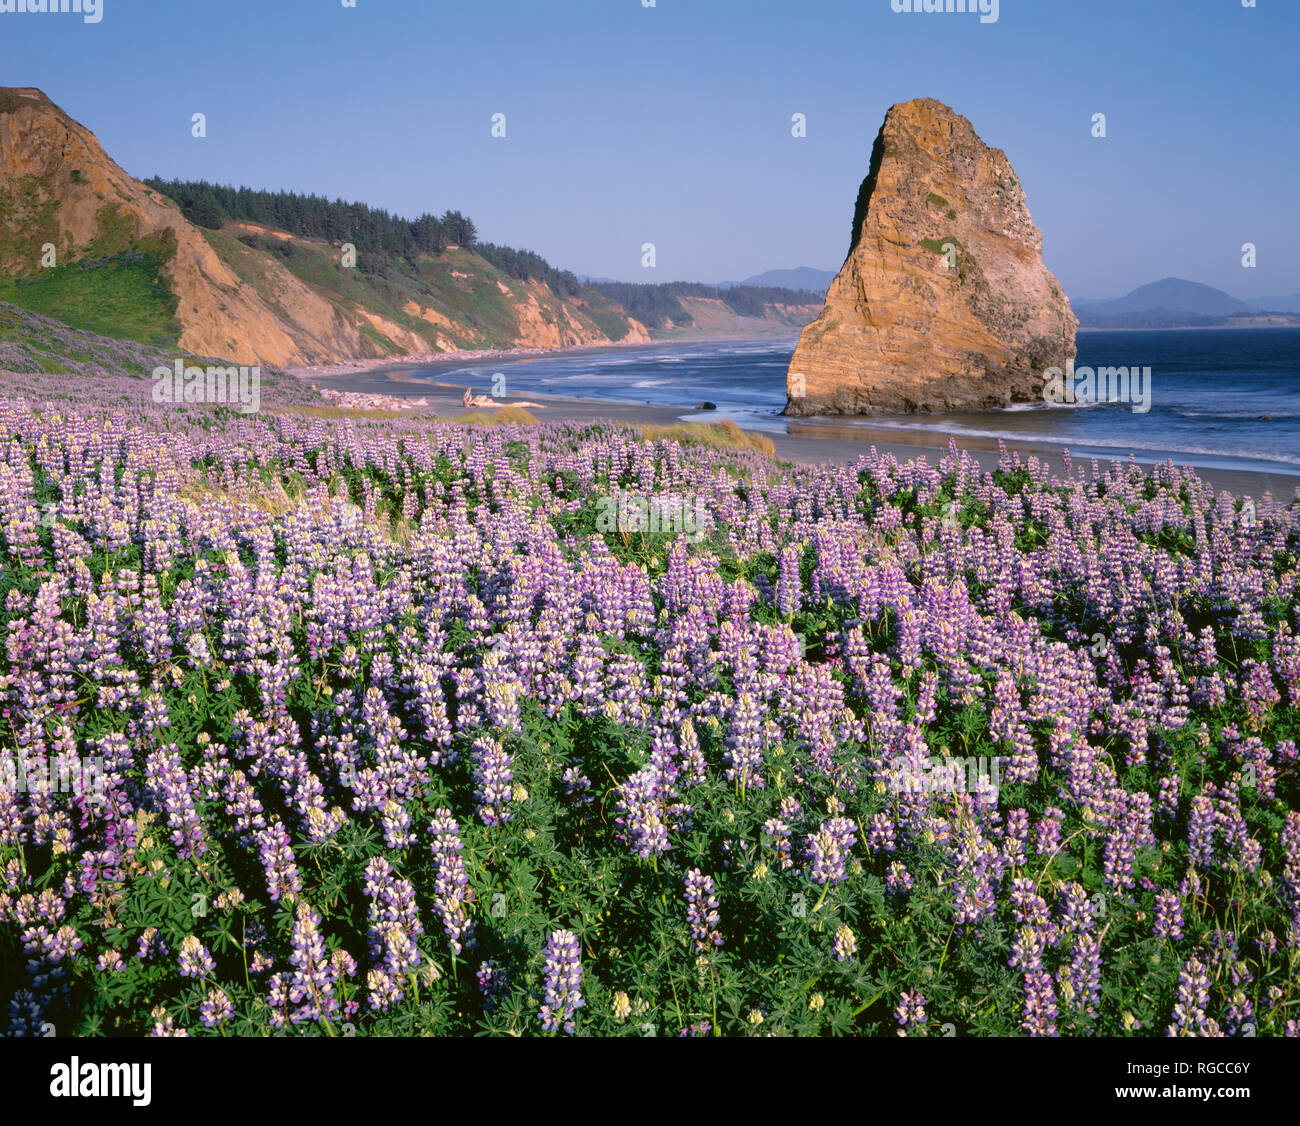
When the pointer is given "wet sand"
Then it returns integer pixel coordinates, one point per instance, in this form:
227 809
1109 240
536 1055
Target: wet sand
806 441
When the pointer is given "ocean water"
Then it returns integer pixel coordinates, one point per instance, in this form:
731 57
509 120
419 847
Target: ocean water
1227 398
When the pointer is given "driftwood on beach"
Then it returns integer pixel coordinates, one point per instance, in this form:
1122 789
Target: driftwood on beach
470 400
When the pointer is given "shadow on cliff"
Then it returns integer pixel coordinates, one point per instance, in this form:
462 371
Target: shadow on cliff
866 192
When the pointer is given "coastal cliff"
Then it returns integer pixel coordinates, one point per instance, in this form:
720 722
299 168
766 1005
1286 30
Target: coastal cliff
88 244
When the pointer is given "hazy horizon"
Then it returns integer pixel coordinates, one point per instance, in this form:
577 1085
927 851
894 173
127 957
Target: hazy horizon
672 124
1085 297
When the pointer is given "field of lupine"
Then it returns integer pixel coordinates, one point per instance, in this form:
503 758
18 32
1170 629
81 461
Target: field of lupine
330 726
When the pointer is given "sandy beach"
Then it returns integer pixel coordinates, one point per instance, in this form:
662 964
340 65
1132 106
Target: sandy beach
394 365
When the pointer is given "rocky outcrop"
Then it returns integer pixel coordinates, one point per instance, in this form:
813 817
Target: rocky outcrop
59 188
943 302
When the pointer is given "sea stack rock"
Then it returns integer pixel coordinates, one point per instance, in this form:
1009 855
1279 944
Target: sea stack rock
943 302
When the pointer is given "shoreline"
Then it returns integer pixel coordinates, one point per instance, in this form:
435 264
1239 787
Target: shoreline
813 442
386 365
805 441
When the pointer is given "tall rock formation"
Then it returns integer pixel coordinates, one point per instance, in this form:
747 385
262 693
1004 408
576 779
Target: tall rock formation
943 302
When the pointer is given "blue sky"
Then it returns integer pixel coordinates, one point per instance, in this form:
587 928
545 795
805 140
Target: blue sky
672 124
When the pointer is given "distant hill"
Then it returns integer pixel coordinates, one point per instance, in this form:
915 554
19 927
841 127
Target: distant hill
1177 303
1176 295
801 277
669 309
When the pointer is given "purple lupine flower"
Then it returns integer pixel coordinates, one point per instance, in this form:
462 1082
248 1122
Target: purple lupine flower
1200 832
170 786
164 1024
641 813
1077 915
492 983
563 982
1039 1010
1015 837
1118 857
492 780
452 892
881 837
396 825
1083 976
911 1010
702 911
194 959
311 986
277 998
577 787
898 880
1291 874
1193 996
282 879
1027 948
776 835
1167 798
394 929
694 768
1168 916
827 850
744 743
1241 1009
1258 691
151 945
845 945
216 1008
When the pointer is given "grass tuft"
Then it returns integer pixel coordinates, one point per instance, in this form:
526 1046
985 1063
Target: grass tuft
517 416
724 435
